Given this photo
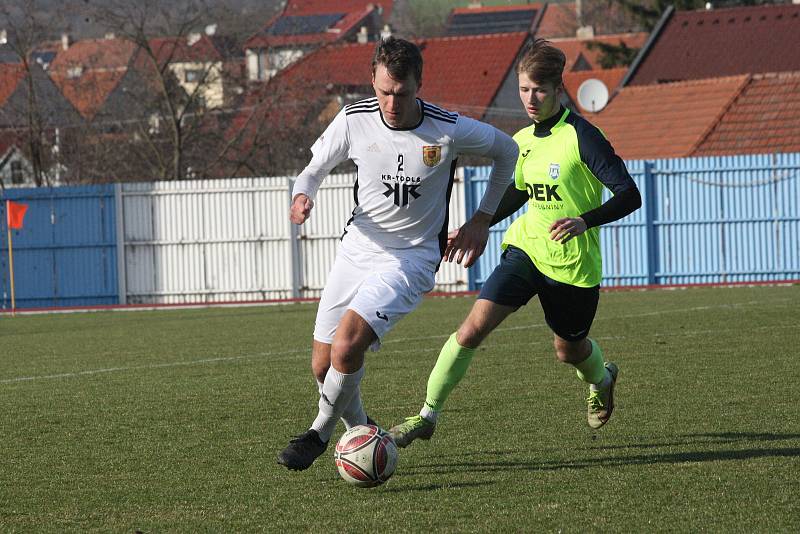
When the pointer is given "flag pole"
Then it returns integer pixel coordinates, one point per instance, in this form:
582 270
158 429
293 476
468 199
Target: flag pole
10 261
11 272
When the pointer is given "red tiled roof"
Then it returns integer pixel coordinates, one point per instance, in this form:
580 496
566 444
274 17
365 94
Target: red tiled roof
97 54
463 74
338 65
610 77
667 120
318 7
723 42
575 48
88 92
460 73
559 20
10 76
764 118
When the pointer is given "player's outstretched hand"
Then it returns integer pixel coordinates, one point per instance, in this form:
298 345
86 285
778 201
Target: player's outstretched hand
301 209
563 230
468 242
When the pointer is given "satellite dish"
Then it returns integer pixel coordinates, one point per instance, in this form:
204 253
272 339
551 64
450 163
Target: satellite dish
592 95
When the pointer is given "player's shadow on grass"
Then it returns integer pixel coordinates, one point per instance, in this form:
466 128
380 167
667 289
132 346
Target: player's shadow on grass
433 487
540 462
699 438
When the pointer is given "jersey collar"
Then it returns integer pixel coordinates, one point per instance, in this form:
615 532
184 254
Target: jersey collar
543 129
421 118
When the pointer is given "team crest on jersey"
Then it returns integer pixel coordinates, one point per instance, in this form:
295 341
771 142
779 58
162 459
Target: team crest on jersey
555 170
431 155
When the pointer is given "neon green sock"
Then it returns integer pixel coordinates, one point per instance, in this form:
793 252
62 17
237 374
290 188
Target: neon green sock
450 368
592 369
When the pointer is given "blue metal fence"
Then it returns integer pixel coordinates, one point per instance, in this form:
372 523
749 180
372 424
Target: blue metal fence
65 254
703 220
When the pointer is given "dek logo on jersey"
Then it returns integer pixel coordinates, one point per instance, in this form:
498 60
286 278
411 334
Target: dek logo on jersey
431 155
555 170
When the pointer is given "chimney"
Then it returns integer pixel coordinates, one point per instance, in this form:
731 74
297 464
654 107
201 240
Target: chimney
65 41
109 36
192 38
363 35
584 33
3 37
211 29
386 31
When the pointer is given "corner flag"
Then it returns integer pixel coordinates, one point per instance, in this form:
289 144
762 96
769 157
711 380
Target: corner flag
16 213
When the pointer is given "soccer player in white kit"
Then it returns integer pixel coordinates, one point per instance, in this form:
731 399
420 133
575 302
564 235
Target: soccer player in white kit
405 150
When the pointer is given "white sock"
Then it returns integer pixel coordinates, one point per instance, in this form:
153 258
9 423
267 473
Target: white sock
427 413
354 414
337 393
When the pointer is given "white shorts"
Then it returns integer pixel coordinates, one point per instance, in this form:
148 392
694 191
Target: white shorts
380 287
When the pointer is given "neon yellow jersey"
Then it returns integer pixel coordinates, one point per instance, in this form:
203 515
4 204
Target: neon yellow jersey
563 164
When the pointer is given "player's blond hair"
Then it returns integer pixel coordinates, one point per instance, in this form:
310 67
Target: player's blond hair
543 62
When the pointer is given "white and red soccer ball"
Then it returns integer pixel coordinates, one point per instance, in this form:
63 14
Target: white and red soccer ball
366 456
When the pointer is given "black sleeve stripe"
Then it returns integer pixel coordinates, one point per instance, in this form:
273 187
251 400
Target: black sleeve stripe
355 108
436 109
435 114
599 156
363 103
361 111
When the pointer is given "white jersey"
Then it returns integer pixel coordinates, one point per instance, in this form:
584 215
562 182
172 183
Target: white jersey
405 175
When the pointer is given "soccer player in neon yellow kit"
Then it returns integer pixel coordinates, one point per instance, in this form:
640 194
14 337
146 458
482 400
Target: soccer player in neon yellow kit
552 251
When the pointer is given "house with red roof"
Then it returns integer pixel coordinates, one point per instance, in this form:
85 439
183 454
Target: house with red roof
744 114
305 25
90 70
24 126
666 120
208 66
463 74
711 82
691 45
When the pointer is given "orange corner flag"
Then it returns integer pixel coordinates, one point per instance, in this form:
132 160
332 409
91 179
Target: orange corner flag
16 213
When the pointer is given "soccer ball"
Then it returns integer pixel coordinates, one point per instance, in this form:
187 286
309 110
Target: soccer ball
366 456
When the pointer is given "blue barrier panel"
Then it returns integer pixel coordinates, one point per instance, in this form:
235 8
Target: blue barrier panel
65 254
704 220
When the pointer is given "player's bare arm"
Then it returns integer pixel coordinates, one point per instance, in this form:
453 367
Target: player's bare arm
301 208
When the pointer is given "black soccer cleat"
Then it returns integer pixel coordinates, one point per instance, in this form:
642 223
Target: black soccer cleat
302 451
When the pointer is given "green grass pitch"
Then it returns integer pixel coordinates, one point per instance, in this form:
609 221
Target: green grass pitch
169 421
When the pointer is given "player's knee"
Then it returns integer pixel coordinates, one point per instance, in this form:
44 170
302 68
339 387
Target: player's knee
347 355
564 352
469 335
569 352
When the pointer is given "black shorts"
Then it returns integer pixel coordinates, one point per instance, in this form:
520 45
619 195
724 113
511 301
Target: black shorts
569 310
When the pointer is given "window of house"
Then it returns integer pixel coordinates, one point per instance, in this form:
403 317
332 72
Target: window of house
17 172
193 75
